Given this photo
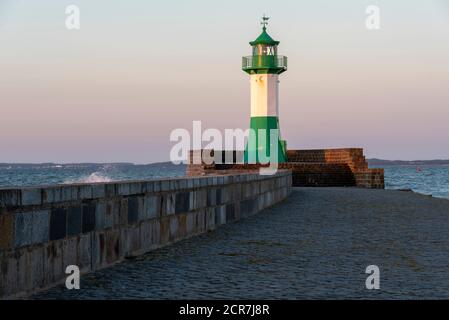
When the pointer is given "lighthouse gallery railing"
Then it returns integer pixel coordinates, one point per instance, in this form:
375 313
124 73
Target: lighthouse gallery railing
264 62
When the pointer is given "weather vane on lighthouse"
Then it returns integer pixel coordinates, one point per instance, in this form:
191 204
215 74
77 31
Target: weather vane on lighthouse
264 67
264 22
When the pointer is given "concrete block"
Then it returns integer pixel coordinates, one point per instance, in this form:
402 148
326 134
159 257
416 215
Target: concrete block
152 207
70 252
135 188
220 215
165 185
148 187
31 228
201 198
192 200
85 252
112 213
58 223
53 259
98 256
174 228
174 185
69 193
88 218
219 196
23 229
9 198
123 189
59 194
168 204
164 230
134 241
8 274
260 200
230 212
98 191
247 191
85 191
145 235
24 267
190 223
182 226
37 268
201 221
113 246
133 209
125 245
110 190
74 215
210 218
7 232
100 216
123 212
183 183
31 197
237 192
41 226
157 186
211 197
51 195
156 232
196 182
248 206
182 202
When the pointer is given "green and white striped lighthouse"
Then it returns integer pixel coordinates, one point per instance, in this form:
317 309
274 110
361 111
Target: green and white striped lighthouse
264 67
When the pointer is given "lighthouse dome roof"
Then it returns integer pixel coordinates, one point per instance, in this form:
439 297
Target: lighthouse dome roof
264 38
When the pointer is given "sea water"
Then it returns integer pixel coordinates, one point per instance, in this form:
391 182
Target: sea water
428 179
19 175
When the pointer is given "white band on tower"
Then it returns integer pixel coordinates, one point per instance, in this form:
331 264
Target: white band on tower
264 95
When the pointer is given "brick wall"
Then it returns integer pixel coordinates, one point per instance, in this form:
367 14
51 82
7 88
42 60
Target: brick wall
312 168
336 167
353 157
43 230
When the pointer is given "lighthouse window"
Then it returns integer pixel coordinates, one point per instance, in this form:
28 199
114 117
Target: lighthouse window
264 50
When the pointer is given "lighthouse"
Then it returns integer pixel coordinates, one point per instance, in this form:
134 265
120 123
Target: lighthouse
264 67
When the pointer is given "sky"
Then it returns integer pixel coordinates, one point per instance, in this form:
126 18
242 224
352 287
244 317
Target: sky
136 70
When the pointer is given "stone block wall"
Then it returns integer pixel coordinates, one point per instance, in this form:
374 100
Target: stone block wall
372 178
310 168
334 167
43 230
352 157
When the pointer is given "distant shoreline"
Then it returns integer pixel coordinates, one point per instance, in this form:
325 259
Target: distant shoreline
81 164
371 162
381 162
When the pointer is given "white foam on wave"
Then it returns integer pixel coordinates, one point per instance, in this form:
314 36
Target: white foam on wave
95 177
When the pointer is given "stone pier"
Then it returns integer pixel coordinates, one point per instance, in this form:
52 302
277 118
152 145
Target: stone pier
45 229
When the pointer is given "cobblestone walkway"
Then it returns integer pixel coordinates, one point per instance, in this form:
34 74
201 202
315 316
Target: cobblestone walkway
316 244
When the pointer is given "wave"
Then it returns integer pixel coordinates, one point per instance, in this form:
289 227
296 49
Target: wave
95 177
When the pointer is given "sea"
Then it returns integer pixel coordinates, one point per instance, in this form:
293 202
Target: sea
426 179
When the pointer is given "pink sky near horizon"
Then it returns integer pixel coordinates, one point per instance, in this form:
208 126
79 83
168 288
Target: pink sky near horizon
114 90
